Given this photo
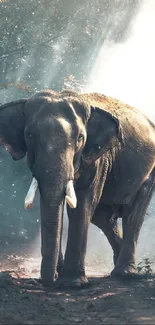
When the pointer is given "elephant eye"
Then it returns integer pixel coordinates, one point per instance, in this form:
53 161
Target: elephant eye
80 140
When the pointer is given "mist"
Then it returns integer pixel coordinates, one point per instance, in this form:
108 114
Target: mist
126 70
111 51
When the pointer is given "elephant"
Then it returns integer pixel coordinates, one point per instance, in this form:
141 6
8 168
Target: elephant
97 154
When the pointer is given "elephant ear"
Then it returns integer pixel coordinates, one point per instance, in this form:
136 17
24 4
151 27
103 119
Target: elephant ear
104 132
12 124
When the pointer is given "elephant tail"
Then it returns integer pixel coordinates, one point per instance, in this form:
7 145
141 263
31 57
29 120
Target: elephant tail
13 103
149 187
137 208
145 194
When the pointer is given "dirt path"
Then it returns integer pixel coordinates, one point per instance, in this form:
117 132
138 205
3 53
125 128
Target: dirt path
105 301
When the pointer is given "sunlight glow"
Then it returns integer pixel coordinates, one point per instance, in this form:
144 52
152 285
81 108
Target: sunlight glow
126 70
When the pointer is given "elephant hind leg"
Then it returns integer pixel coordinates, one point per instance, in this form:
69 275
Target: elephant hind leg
105 219
132 220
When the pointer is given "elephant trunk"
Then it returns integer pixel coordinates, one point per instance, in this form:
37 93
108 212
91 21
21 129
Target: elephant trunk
53 182
51 225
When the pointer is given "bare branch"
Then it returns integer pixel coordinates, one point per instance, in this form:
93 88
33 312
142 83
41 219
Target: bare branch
5 55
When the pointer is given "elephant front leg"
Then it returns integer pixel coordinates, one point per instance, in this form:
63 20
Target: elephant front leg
74 263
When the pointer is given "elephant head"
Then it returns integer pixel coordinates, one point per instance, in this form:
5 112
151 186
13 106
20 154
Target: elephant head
57 130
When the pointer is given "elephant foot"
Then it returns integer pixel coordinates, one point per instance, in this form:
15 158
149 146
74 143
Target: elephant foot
48 281
72 282
124 272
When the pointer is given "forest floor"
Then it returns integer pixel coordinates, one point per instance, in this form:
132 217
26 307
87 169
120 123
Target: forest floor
105 301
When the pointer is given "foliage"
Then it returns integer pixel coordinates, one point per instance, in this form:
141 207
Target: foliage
145 267
42 42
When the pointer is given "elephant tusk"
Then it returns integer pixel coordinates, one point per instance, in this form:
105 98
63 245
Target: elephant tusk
29 199
70 195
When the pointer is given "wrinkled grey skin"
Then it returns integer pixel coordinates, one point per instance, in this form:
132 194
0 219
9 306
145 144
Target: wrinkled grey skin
108 149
